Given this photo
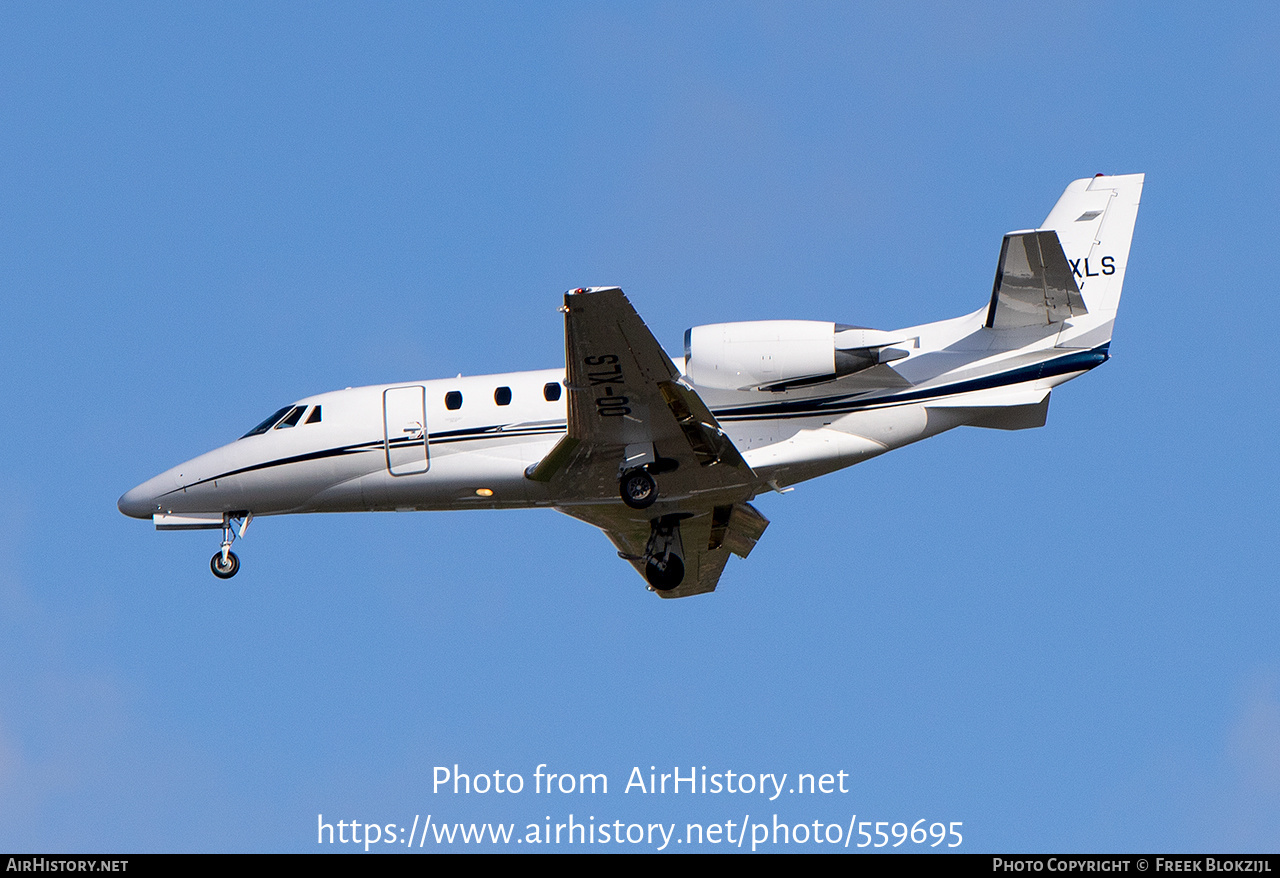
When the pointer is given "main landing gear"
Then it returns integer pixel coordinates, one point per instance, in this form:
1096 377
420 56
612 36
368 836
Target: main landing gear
664 554
224 562
637 486
638 489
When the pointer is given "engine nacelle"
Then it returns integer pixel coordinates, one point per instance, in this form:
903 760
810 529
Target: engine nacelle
773 354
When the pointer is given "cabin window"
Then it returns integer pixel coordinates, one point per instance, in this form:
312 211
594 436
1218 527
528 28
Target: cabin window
291 419
315 416
267 424
453 400
502 396
551 391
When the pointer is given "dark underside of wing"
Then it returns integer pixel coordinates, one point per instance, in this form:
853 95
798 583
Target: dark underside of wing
708 538
628 409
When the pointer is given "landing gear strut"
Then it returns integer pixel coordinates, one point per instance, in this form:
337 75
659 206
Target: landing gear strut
664 554
224 562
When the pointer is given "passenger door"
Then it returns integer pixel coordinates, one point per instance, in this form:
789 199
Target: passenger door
405 429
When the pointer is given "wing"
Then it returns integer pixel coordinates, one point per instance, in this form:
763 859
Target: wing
708 538
628 409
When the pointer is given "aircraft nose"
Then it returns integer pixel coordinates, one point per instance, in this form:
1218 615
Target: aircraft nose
139 502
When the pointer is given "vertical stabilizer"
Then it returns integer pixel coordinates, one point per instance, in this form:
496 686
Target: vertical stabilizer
1094 221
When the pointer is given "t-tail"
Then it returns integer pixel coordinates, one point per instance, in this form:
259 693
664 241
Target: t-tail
1066 276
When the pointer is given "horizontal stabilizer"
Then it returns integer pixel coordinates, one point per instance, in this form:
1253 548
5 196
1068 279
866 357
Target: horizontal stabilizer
999 409
1034 285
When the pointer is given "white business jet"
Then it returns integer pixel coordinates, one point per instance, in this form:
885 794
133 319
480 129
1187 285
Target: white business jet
665 455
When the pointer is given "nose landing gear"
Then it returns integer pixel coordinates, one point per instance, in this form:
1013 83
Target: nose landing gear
224 562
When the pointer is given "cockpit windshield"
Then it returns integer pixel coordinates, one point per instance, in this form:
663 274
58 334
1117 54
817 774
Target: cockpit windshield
289 416
291 419
268 423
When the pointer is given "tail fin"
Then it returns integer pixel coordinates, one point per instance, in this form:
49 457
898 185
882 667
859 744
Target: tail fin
1094 222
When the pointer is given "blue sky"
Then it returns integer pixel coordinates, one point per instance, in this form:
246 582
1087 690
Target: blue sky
1064 638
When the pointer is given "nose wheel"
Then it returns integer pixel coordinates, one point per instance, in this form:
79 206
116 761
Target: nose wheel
224 562
224 566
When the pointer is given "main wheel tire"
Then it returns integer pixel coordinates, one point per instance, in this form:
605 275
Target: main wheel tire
224 571
638 489
665 578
